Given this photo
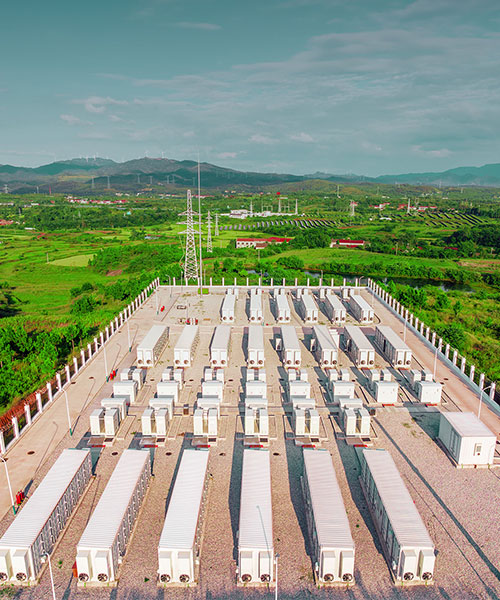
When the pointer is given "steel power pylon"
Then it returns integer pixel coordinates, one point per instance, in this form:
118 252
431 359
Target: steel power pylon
216 232
190 259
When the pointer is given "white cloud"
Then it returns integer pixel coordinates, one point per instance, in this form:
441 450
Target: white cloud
370 147
257 138
441 153
98 104
73 120
225 155
302 137
199 26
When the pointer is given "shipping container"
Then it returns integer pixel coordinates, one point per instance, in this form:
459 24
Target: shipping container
186 346
256 313
408 547
151 347
466 438
36 528
255 353
358 347
330 536
429 392
255 535
360 308
290 347
334 308
220 346
180 540
228 307
104 541
325 349
308 308
283 314
397 352
179 545
120 402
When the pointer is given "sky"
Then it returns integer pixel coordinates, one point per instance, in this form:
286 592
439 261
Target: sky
354 86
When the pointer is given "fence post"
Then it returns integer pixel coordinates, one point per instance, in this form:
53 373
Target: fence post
68 373
15 426
39 402
82 353
58 382
471 373
49 391
481 381
75 364
27 412
455 356
492 391
462 364
2 443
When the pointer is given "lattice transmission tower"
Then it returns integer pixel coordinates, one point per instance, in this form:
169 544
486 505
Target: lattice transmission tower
209 233
190 259
216 232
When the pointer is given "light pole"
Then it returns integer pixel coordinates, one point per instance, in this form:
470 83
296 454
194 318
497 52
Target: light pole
105 362
46 554
67 413
276 586
435 363
8 483
481 400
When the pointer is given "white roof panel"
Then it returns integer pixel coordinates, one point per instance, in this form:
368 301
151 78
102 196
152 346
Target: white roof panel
105 522
330 518
255 337
290 339
358 337
466 424
334 301
256 302
151 338
256 519
393 338
229 302
222 334
324 338
282 303
181 522
361 302
30 521
186 338
405 519
308 302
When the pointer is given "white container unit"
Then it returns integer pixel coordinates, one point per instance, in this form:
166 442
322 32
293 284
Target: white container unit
255 354
154 422
36 528
397 352
290 347
360 308
334 308
179 544
408 547
255 535
171 374
330 535
219 348
325 349
126 389
308 308
168 389
186 346
357 345
120 402
104 541
283 314
228 306
213 388
256 314
151 347
466 438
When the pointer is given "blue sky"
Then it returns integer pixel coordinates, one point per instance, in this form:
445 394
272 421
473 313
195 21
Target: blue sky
362 86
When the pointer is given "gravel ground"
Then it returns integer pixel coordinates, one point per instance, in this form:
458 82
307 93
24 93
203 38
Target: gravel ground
459 507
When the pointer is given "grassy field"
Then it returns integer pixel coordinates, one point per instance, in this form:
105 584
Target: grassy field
79 260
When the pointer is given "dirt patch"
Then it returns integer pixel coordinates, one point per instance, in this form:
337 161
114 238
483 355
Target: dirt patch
114 273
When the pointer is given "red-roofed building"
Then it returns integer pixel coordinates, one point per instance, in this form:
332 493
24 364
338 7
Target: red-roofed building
260 242
348 243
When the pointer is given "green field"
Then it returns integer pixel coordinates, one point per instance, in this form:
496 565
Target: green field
47 283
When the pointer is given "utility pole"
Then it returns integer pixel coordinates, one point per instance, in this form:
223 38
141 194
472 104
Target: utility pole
216 232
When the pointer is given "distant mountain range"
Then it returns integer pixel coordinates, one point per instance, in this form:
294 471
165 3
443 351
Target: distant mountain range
81 175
